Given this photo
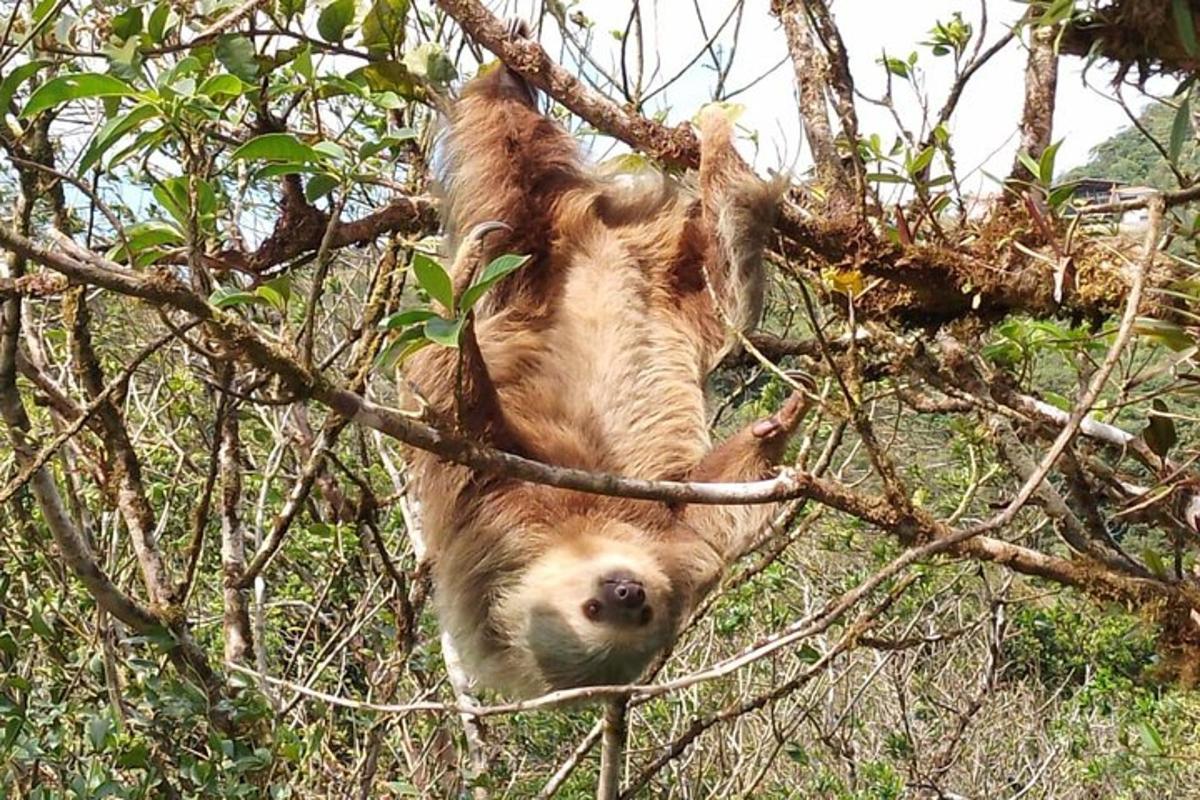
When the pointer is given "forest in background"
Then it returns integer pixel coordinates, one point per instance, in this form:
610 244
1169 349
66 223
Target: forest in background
1130 156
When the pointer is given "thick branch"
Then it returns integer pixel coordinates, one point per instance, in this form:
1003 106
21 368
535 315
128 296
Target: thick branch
1041 80
302 227
675 146
812 79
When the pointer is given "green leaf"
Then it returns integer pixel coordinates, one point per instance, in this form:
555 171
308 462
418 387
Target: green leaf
809 654
97 729
1181 127
921 162
370 149
330 149
1061 195
401 348
124 61
127 23
189 65
1168 333
444 331
1154 563
385 76
275 147
383 26
291 8
1159 433
1045 171
64 88
160 17
146 242
172 195
229 297
145 143
402 319
429 61
334 19
1185 24
43 8
12 82
303 63
236 54
222 84
886 177
1152 739
277 292
433 279
1034 168
493 272
135 755
40 626
286 168
319 185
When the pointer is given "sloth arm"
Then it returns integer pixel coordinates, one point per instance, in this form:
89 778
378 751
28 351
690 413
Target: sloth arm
749 455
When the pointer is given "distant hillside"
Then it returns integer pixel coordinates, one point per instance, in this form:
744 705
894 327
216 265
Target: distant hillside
1129 156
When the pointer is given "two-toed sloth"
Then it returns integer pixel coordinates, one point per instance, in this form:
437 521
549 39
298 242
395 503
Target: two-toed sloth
593 356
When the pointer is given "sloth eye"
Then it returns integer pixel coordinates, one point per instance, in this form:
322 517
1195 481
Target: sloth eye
645 617
591 609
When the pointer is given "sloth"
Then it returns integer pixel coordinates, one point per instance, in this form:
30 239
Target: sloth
594 356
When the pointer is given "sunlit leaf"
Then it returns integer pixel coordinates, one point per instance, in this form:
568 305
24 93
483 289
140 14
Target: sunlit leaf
1151 738
429 61
433 279
127 23
1045 170
1168 333
229 297
318 186
493 272
160 19
65 88
383 26
98 728
236 54
334 19
444 331
402 319
290 8
275 147
13 80
222 84
276 291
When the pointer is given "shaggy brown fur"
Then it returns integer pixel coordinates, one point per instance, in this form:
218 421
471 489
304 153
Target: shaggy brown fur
592 356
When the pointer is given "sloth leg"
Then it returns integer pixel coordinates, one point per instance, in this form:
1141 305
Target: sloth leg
749 455
738 209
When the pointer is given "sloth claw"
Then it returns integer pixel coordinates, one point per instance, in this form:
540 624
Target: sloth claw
784 420
518 28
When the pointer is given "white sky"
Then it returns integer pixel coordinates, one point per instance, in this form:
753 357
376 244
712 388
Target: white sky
983 129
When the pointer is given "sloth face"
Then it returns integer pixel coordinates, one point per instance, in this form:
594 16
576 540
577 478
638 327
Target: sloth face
591 615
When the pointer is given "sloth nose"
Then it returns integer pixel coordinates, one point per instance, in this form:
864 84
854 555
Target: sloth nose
625 593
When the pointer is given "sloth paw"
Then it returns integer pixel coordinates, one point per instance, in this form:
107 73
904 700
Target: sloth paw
785 420
518 30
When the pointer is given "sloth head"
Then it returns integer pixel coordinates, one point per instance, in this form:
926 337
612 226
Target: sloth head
592 610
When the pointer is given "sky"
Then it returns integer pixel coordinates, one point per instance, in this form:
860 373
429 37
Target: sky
983 130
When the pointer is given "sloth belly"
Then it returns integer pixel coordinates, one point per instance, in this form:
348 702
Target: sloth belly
612 383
